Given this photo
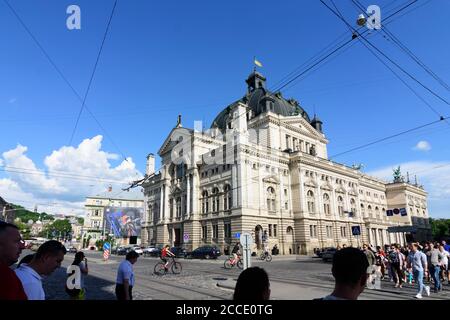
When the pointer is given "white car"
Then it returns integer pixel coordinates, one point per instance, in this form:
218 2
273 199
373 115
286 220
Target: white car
138 249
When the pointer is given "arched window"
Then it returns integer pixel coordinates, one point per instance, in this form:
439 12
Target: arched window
205 202
340 206
353 207
227 199
326 203
310 200
377 212
271 199
363 211
369 209
215 200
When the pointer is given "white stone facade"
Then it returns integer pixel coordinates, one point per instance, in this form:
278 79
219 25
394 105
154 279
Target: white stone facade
276 177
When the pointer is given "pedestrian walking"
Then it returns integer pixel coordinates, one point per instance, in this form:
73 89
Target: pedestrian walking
252 285
417 261
125 277
444 264
350 273
11 246
369 255
46 260
81 261
397 264
436 258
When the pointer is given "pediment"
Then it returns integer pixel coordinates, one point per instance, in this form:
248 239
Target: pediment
174 138
304 126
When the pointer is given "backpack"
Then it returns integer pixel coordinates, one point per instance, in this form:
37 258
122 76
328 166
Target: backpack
393 257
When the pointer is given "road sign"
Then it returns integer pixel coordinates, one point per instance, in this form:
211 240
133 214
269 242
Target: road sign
246 240
186 237
356 230
106 246
237 235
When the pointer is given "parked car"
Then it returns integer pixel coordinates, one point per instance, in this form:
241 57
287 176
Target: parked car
319 252
137 249
121 251
148 251
204 252
179 252
328 254
72 249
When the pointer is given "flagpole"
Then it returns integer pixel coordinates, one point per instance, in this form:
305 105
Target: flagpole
254 64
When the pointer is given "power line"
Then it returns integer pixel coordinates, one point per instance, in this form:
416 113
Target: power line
63 77
340 47
388 67
56 175
389 137
392 61
406 50
93 72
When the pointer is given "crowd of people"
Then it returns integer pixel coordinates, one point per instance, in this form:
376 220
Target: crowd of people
415 264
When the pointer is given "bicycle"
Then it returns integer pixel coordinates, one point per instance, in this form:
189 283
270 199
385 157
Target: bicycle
265 256
173 265
231 262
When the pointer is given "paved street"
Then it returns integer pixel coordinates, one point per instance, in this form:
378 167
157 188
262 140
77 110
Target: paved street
291 277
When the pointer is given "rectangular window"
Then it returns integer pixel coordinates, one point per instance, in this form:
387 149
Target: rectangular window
286 206
227 230
274 230
313 231
329 232
343 232
215 231
288 145
285 192
204 232
270 230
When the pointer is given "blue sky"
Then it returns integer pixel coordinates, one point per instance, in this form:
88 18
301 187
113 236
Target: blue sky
162 58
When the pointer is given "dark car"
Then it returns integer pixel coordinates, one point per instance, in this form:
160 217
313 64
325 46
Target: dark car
179 252
122 251
328 254
205 252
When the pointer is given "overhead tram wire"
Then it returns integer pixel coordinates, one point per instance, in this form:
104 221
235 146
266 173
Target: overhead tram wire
93 73
317 62
64 77
392 70
390 60
406 50
389 137
337 49
56 175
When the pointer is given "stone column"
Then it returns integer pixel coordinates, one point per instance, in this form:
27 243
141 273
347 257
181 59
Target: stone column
188 196
161 204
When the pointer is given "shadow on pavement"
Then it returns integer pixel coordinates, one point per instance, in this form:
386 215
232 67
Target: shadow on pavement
96 288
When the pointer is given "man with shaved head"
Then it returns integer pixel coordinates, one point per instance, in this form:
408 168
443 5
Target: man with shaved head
11 246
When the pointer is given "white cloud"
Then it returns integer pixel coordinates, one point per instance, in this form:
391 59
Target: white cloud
422 146
434 176
71 174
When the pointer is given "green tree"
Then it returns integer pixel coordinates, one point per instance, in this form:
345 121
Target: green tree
440 228
80 220
60 229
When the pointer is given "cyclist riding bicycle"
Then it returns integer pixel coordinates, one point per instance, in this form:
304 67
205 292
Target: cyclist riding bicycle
236 252
164 253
